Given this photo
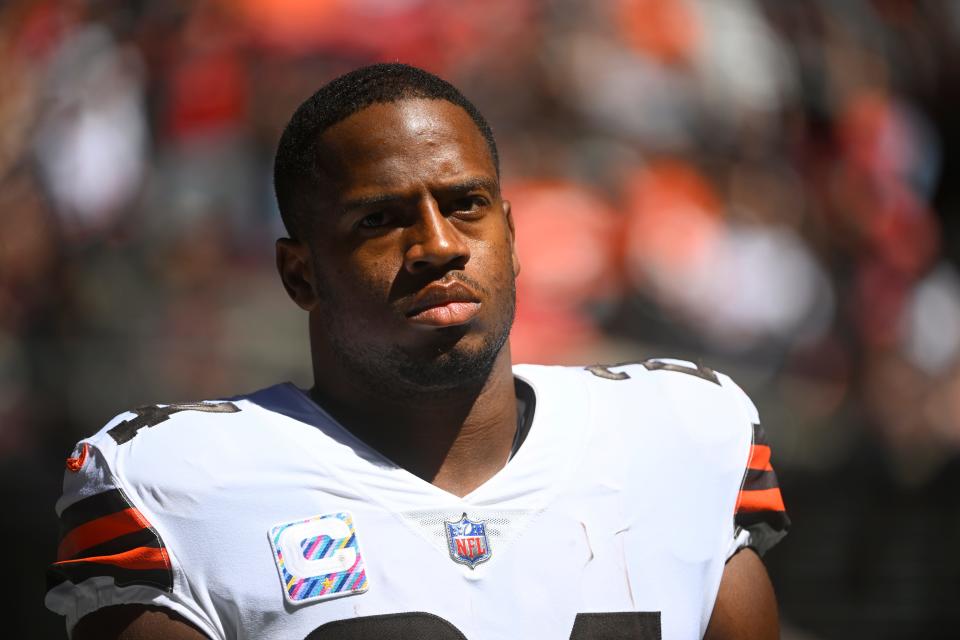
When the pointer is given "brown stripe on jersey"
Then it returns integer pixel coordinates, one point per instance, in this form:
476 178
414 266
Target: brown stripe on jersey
76 573
757 479
93 507
104 535
760 507
776 520
759 435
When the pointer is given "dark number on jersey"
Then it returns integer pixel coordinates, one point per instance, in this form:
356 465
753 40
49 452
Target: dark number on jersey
699 371
154 415
415 625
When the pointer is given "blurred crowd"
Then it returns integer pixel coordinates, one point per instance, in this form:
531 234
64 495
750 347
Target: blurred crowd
768 187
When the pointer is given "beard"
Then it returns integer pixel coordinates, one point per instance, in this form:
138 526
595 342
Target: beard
446 363
449 366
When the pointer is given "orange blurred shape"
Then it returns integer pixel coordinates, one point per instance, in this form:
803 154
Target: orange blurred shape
674 218
666 30
293 18
291 24
543 334
438 35
565 240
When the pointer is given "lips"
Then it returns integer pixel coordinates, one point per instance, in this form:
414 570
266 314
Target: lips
444 305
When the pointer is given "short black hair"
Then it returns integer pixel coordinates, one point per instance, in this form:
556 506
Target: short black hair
295 165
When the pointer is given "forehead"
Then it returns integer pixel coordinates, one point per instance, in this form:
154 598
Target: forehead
403 145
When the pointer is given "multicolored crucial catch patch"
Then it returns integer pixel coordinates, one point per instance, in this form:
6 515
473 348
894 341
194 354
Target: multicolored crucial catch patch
318 558
467 541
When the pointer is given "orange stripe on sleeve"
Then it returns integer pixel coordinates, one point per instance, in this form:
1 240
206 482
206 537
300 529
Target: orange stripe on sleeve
139 558
760 500
101 530
759 458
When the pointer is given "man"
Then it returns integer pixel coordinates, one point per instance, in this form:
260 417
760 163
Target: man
422 488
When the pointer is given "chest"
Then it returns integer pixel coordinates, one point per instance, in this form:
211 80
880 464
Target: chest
333 564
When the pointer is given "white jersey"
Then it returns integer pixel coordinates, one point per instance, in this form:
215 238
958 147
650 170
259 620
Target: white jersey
261 517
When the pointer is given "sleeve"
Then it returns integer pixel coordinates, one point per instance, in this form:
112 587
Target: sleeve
760 516
109 552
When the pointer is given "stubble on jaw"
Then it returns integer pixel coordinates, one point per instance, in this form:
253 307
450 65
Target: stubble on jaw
398 373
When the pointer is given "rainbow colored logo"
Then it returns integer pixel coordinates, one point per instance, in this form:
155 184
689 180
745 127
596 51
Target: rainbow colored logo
318 558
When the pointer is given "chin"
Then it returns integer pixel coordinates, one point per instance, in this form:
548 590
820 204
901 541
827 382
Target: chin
452 364
449 370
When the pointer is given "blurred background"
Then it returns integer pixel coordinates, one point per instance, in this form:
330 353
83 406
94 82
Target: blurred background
768 187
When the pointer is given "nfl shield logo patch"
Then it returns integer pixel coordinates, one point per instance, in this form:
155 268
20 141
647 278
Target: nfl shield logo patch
467 541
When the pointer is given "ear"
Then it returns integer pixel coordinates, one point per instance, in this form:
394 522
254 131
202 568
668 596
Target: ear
296 272
507 211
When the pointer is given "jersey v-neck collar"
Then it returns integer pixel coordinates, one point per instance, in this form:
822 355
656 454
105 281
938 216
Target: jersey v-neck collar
526 408
545 449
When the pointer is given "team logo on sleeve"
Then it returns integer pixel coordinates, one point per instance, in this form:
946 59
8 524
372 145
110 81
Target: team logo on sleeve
75 463
467 541
318 558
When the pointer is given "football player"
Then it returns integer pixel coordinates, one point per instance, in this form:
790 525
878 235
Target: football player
423 487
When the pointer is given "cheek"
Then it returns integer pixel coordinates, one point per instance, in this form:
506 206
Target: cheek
342 292
496 261
358 272
373 278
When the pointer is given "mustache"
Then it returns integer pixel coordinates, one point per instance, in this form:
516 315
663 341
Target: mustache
462 278
405 289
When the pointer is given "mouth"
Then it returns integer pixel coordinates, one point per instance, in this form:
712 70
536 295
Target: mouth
444 305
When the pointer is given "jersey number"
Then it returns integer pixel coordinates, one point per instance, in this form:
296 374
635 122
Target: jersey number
153 415
414 625
699 371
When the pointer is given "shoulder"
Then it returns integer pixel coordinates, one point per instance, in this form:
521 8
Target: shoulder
658 409
674 378
144 497
687 391
161 424
174 444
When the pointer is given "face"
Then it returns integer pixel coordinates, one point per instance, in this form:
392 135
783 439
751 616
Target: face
408 267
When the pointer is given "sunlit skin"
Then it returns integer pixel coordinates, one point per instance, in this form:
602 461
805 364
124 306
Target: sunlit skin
407 272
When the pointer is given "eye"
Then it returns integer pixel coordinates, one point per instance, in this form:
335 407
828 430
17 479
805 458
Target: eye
374 220
469 204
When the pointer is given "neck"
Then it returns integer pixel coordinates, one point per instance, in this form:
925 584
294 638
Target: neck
456 439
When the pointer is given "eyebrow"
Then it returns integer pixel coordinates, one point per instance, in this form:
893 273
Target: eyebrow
470 184
368 201
386 198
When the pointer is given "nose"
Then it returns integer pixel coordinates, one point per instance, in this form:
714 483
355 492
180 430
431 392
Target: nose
434 241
